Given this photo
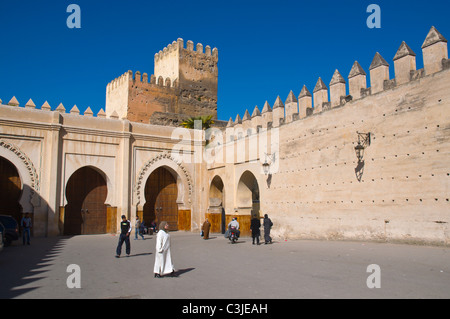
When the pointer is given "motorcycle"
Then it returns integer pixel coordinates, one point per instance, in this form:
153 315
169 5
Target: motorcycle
233 235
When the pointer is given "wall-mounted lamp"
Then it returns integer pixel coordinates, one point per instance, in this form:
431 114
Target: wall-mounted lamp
363 142
266 165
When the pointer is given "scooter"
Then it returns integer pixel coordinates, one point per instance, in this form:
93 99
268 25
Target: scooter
233 235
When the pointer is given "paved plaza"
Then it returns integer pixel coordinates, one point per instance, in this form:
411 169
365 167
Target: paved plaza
216 269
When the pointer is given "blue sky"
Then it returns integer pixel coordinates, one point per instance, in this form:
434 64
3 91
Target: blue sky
266 48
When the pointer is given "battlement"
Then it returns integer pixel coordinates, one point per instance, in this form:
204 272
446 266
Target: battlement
177 46
122 91
137 77
435 59
59 109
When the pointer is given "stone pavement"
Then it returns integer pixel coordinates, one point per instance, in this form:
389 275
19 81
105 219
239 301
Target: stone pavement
216 269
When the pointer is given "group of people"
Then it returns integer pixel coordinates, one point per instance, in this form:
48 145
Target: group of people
255 226
140 228
163 259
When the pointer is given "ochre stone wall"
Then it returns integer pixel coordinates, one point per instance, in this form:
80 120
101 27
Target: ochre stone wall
146 99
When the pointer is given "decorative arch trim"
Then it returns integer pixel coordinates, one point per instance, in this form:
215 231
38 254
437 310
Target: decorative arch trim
27 172
184 181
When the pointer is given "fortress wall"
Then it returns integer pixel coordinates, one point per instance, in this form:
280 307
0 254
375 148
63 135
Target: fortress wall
404 189
319 189
136 97
146 98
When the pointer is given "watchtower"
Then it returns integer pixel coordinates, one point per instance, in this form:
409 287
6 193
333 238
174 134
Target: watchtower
184 84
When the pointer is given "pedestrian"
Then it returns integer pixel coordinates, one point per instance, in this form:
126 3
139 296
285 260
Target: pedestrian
26 228
137 230
267 226
125 230
255 224
205 228
163 258
153 226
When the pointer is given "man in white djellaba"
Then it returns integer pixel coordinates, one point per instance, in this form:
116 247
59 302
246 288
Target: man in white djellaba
163 259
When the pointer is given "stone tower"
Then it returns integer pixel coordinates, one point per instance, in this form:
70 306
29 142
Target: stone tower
184 84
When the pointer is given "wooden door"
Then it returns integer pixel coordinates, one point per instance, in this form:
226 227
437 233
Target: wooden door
161 199
85 212
10 190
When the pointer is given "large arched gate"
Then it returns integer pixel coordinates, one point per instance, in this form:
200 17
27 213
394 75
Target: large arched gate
85 212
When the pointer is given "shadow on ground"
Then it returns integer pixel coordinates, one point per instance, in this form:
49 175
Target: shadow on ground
24 265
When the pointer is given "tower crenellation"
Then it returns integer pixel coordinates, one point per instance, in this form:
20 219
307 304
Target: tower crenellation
184 83
404 63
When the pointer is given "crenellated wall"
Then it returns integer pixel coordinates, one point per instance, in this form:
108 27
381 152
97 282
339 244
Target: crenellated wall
316 186
136 97
48 146
324 98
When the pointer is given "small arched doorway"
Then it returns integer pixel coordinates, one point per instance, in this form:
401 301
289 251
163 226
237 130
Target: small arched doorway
85 212
248 200
216 211
161 194
10 190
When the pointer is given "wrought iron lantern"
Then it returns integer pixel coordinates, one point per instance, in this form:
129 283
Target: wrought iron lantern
359 149
266 168
363 142
266 165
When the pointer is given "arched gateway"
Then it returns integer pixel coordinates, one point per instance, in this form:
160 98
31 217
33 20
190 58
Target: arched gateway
86 212
163 191
248 200
161 198
10 190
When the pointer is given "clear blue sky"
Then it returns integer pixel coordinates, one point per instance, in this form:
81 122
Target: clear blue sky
266 48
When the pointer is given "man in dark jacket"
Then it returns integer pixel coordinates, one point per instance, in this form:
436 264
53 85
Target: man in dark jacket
125 230
255 224
267 226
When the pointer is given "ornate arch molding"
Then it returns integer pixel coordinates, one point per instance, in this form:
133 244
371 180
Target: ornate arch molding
28 174
184 181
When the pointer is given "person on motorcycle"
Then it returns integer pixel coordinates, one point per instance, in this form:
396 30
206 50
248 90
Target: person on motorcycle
234 226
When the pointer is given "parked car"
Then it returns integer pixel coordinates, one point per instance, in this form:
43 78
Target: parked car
11 228
2 236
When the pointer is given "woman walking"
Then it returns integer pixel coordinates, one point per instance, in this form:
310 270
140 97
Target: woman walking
163 259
